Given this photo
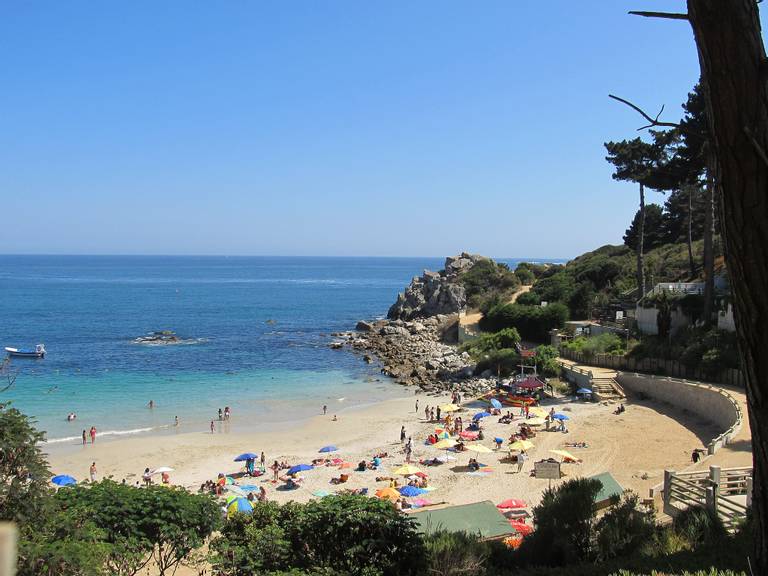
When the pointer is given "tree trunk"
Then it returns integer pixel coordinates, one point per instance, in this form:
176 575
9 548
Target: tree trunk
691 262
733 65
709 246
640 242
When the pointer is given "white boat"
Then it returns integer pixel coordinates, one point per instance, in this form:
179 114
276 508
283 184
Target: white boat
38 352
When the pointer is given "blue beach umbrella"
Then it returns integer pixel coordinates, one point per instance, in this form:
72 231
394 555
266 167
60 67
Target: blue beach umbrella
63 480
583 391
299 468
246 456
240 505
495 403
411 491
559 416
480 415
329 448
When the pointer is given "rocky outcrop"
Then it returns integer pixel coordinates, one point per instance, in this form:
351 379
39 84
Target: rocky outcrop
412 353
435 292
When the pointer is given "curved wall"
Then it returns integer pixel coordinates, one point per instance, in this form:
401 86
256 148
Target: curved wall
708 402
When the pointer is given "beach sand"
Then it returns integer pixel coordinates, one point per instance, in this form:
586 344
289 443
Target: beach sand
635 447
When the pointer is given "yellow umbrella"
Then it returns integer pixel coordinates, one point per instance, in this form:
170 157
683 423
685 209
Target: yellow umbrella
388 493
479 448
521 445
449 408
442 433
564 454
443 444
538 411
535 421
407 470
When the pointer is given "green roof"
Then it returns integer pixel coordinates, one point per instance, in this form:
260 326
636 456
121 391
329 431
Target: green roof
482 518
610 487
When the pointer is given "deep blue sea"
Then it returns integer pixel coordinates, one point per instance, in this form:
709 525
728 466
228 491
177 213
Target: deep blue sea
260 329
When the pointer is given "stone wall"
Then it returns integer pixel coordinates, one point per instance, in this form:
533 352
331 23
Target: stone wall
708 402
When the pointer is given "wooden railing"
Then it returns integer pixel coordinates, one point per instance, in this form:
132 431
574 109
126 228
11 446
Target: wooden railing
720 491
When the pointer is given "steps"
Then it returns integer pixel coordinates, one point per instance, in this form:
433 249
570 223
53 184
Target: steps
607 389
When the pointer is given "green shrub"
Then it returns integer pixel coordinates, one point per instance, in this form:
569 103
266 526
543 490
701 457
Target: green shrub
487 278
501 362
532 322
525 275
623 530
455 553
605 343
485 343
528 299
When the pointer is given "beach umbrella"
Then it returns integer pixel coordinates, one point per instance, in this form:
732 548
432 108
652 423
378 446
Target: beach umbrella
521 527
495 403
449 408
240 505
411 491
63 480
231 498
538 411
329 448
229 480
583 391
446 443
442 433
565 454
481 415
479 448
299 468
521 445
161 470
406 470
512 503
388 493
321 493
560 416
246 456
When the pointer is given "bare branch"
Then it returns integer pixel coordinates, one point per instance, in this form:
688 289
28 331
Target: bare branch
652 122
665 15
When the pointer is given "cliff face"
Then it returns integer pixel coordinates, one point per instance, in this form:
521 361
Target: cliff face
435 292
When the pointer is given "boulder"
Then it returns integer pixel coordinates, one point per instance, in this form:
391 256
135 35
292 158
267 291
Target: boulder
363 326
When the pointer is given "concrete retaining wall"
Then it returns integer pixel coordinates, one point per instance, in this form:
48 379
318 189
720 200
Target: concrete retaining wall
708 402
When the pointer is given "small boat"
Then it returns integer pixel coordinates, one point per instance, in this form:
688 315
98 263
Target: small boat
38 352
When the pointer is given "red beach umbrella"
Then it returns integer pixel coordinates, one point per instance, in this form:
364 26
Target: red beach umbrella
511 503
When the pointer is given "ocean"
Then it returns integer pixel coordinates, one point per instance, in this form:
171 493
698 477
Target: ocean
256 334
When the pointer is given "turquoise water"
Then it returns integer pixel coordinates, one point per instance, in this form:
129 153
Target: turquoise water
259 330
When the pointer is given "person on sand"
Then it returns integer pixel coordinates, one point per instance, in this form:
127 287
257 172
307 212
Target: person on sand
521 458
402 434
262 461
417 405
275 471
426 413
262 497
93 434
92 472
147 477
695 456
438 413
335 418
85 436
432 414
213 427
166 478
325 409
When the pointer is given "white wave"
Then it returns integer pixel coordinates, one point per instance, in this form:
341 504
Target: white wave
105 433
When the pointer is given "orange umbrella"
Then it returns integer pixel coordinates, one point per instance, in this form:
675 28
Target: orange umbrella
388 493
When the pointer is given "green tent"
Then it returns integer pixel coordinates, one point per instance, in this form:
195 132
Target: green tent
481 518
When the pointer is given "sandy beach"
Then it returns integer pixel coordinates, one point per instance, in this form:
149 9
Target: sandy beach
635 447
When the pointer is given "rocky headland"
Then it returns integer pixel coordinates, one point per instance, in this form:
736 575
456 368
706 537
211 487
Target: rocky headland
417 344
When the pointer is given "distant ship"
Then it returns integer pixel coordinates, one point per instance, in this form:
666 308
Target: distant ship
38 352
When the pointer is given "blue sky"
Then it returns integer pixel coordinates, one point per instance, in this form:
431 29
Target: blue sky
325 128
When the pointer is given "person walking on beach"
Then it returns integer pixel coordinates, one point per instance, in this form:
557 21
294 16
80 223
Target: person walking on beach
417 405
227 413
521 458
426 413
93 434
527 410
92 472
176 421
402 434
275 471
438 413
220 415
84 437
325 409
213 427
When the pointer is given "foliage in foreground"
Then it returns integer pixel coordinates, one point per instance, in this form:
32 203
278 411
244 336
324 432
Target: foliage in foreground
111 528
333 535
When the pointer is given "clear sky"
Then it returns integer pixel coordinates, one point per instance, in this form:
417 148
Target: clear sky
325 128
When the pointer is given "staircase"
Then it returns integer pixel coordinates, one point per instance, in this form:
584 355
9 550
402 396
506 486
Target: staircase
607 389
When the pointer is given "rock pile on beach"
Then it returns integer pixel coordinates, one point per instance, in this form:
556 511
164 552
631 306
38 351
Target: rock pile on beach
435 293
413 354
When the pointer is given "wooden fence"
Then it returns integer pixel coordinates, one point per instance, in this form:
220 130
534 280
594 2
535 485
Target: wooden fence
673 368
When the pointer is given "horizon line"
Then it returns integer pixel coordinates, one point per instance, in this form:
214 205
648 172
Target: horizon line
96 255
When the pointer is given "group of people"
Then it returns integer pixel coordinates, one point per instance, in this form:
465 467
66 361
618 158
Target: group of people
225 414
91 433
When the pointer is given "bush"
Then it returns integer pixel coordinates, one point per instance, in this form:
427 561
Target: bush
606 343
455 553
487 278
485 343
546 360
532 322
334 535
528 299
623 530
525 275
501 362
